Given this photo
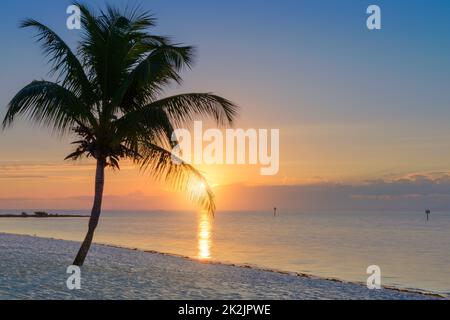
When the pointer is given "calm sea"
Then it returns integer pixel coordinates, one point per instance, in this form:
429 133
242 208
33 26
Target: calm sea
413 253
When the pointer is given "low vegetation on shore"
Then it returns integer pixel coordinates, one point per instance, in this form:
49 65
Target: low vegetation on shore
41 214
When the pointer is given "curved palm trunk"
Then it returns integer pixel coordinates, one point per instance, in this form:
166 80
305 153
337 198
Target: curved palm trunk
95 213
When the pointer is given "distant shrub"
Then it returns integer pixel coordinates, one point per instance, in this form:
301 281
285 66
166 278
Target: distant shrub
24 214
41 214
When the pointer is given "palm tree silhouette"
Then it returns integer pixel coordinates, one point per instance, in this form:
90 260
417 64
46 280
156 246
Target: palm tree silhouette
108 95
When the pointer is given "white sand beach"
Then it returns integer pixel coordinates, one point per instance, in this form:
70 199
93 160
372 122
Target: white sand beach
35 268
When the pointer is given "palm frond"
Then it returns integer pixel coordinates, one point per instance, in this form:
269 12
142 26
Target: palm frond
64 62
164 166
114 42
153 126
187 107
161 66
49 104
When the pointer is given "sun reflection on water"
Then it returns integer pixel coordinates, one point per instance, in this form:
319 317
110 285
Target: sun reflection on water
204 236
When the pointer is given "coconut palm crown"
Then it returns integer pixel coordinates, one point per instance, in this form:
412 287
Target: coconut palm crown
109 94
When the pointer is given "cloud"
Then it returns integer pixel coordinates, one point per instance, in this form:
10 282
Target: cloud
21 176
43 171
131 201
411 192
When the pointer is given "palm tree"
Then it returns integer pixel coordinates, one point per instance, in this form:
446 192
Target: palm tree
109 95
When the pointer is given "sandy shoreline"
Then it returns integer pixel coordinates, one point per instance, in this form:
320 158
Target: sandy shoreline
114 272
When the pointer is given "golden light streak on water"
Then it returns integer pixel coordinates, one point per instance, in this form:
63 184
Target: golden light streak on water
204 236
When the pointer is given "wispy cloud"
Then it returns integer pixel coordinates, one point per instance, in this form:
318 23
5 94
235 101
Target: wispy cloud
411 191
131 201
53 170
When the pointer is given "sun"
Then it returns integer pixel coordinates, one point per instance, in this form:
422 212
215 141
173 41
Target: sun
198 188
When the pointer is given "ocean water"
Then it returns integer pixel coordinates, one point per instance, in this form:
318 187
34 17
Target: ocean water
412 253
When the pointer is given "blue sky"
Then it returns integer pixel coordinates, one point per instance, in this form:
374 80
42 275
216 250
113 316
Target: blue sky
353 104
315 51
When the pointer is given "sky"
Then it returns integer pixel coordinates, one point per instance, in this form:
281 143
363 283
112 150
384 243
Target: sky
363 115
